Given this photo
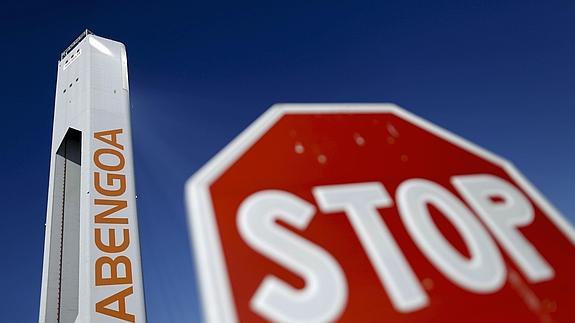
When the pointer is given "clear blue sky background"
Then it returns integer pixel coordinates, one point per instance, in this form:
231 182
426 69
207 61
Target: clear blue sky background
500 73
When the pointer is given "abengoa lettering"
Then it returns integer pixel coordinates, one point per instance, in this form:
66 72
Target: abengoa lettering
113 267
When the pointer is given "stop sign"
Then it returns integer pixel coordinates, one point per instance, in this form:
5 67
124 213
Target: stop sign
368 213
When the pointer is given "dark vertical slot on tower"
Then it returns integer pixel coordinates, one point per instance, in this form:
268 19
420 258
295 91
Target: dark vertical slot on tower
63 276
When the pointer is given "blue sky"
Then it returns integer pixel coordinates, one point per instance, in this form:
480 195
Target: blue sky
500 73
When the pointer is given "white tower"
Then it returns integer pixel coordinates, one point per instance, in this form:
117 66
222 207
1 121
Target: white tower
92 270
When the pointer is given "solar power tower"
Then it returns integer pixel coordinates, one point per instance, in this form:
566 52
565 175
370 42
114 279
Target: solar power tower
92 270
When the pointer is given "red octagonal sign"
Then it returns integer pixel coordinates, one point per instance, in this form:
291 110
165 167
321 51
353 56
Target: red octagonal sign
359 213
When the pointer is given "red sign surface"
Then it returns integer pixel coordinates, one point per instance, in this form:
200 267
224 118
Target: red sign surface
367 213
